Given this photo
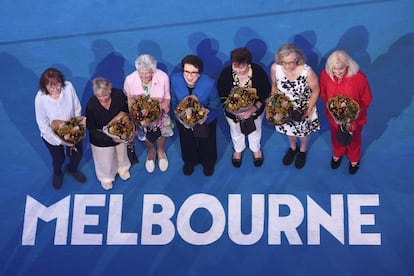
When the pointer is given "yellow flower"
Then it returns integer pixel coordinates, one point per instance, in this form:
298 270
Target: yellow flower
277 109
240 99
71 131
144 110
343 109
189 111
121 127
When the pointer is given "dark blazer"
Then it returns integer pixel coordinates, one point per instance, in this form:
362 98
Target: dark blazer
260 81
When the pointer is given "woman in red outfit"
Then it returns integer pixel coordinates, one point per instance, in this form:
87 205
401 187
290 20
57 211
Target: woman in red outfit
342 76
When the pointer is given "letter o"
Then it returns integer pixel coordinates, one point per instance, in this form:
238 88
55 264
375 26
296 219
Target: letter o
190 205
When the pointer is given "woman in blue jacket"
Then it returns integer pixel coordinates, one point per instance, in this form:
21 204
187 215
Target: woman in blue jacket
196 146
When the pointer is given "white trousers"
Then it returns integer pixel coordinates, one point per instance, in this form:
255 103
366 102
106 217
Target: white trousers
109 161
239 139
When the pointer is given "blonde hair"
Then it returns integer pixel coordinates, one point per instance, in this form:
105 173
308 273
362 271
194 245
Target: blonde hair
101 86
287 49
338 59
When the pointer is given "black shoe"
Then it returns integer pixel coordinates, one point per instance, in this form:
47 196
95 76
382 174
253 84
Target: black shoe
258 161
300 160
78 176
236 162
336 164
57 181
289 156
353 168
188 169
208 170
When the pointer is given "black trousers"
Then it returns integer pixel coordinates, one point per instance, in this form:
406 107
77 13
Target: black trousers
196 150
58 157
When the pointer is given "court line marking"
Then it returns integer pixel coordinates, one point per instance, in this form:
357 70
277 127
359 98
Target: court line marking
195 22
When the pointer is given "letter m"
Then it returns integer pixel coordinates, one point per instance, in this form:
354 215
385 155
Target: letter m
35 210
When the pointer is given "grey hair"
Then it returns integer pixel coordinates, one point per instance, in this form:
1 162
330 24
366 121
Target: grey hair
101 86
287 49
146 62
338 59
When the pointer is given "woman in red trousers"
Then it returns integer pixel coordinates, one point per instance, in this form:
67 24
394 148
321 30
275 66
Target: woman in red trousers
342 76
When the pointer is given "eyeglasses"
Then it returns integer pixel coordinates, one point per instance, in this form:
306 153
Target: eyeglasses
193 73
286 63
54 85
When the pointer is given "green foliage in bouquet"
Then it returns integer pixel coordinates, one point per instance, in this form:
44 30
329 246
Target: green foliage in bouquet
71 131
144 110
189 111
277 109
343 109
240 99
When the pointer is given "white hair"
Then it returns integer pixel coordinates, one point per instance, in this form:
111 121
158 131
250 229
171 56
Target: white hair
146 62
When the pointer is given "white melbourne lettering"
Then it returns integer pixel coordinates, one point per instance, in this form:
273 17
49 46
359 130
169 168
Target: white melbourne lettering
285 215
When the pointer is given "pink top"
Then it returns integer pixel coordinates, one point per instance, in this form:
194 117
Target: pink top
160 87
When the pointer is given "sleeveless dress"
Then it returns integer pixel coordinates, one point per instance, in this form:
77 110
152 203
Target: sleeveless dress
299 93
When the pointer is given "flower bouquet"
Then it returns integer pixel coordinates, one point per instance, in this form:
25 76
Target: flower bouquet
190 111
144 110
343 109
277 109
120 127
240 99
71 131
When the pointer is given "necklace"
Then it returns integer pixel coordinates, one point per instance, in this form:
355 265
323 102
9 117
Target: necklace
237 81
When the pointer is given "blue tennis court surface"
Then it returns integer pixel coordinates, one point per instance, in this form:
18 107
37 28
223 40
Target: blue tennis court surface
272 220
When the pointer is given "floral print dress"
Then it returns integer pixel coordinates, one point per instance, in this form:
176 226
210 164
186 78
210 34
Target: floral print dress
299 93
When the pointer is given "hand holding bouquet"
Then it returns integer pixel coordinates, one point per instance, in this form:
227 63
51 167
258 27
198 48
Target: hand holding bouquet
71 131
240 99
144 110
343 109
120 127
190 111
277 109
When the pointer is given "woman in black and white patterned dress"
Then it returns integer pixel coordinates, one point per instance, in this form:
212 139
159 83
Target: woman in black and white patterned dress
291 76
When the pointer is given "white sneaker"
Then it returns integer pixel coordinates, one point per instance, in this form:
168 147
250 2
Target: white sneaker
124 175
163 163
107 185
150 166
